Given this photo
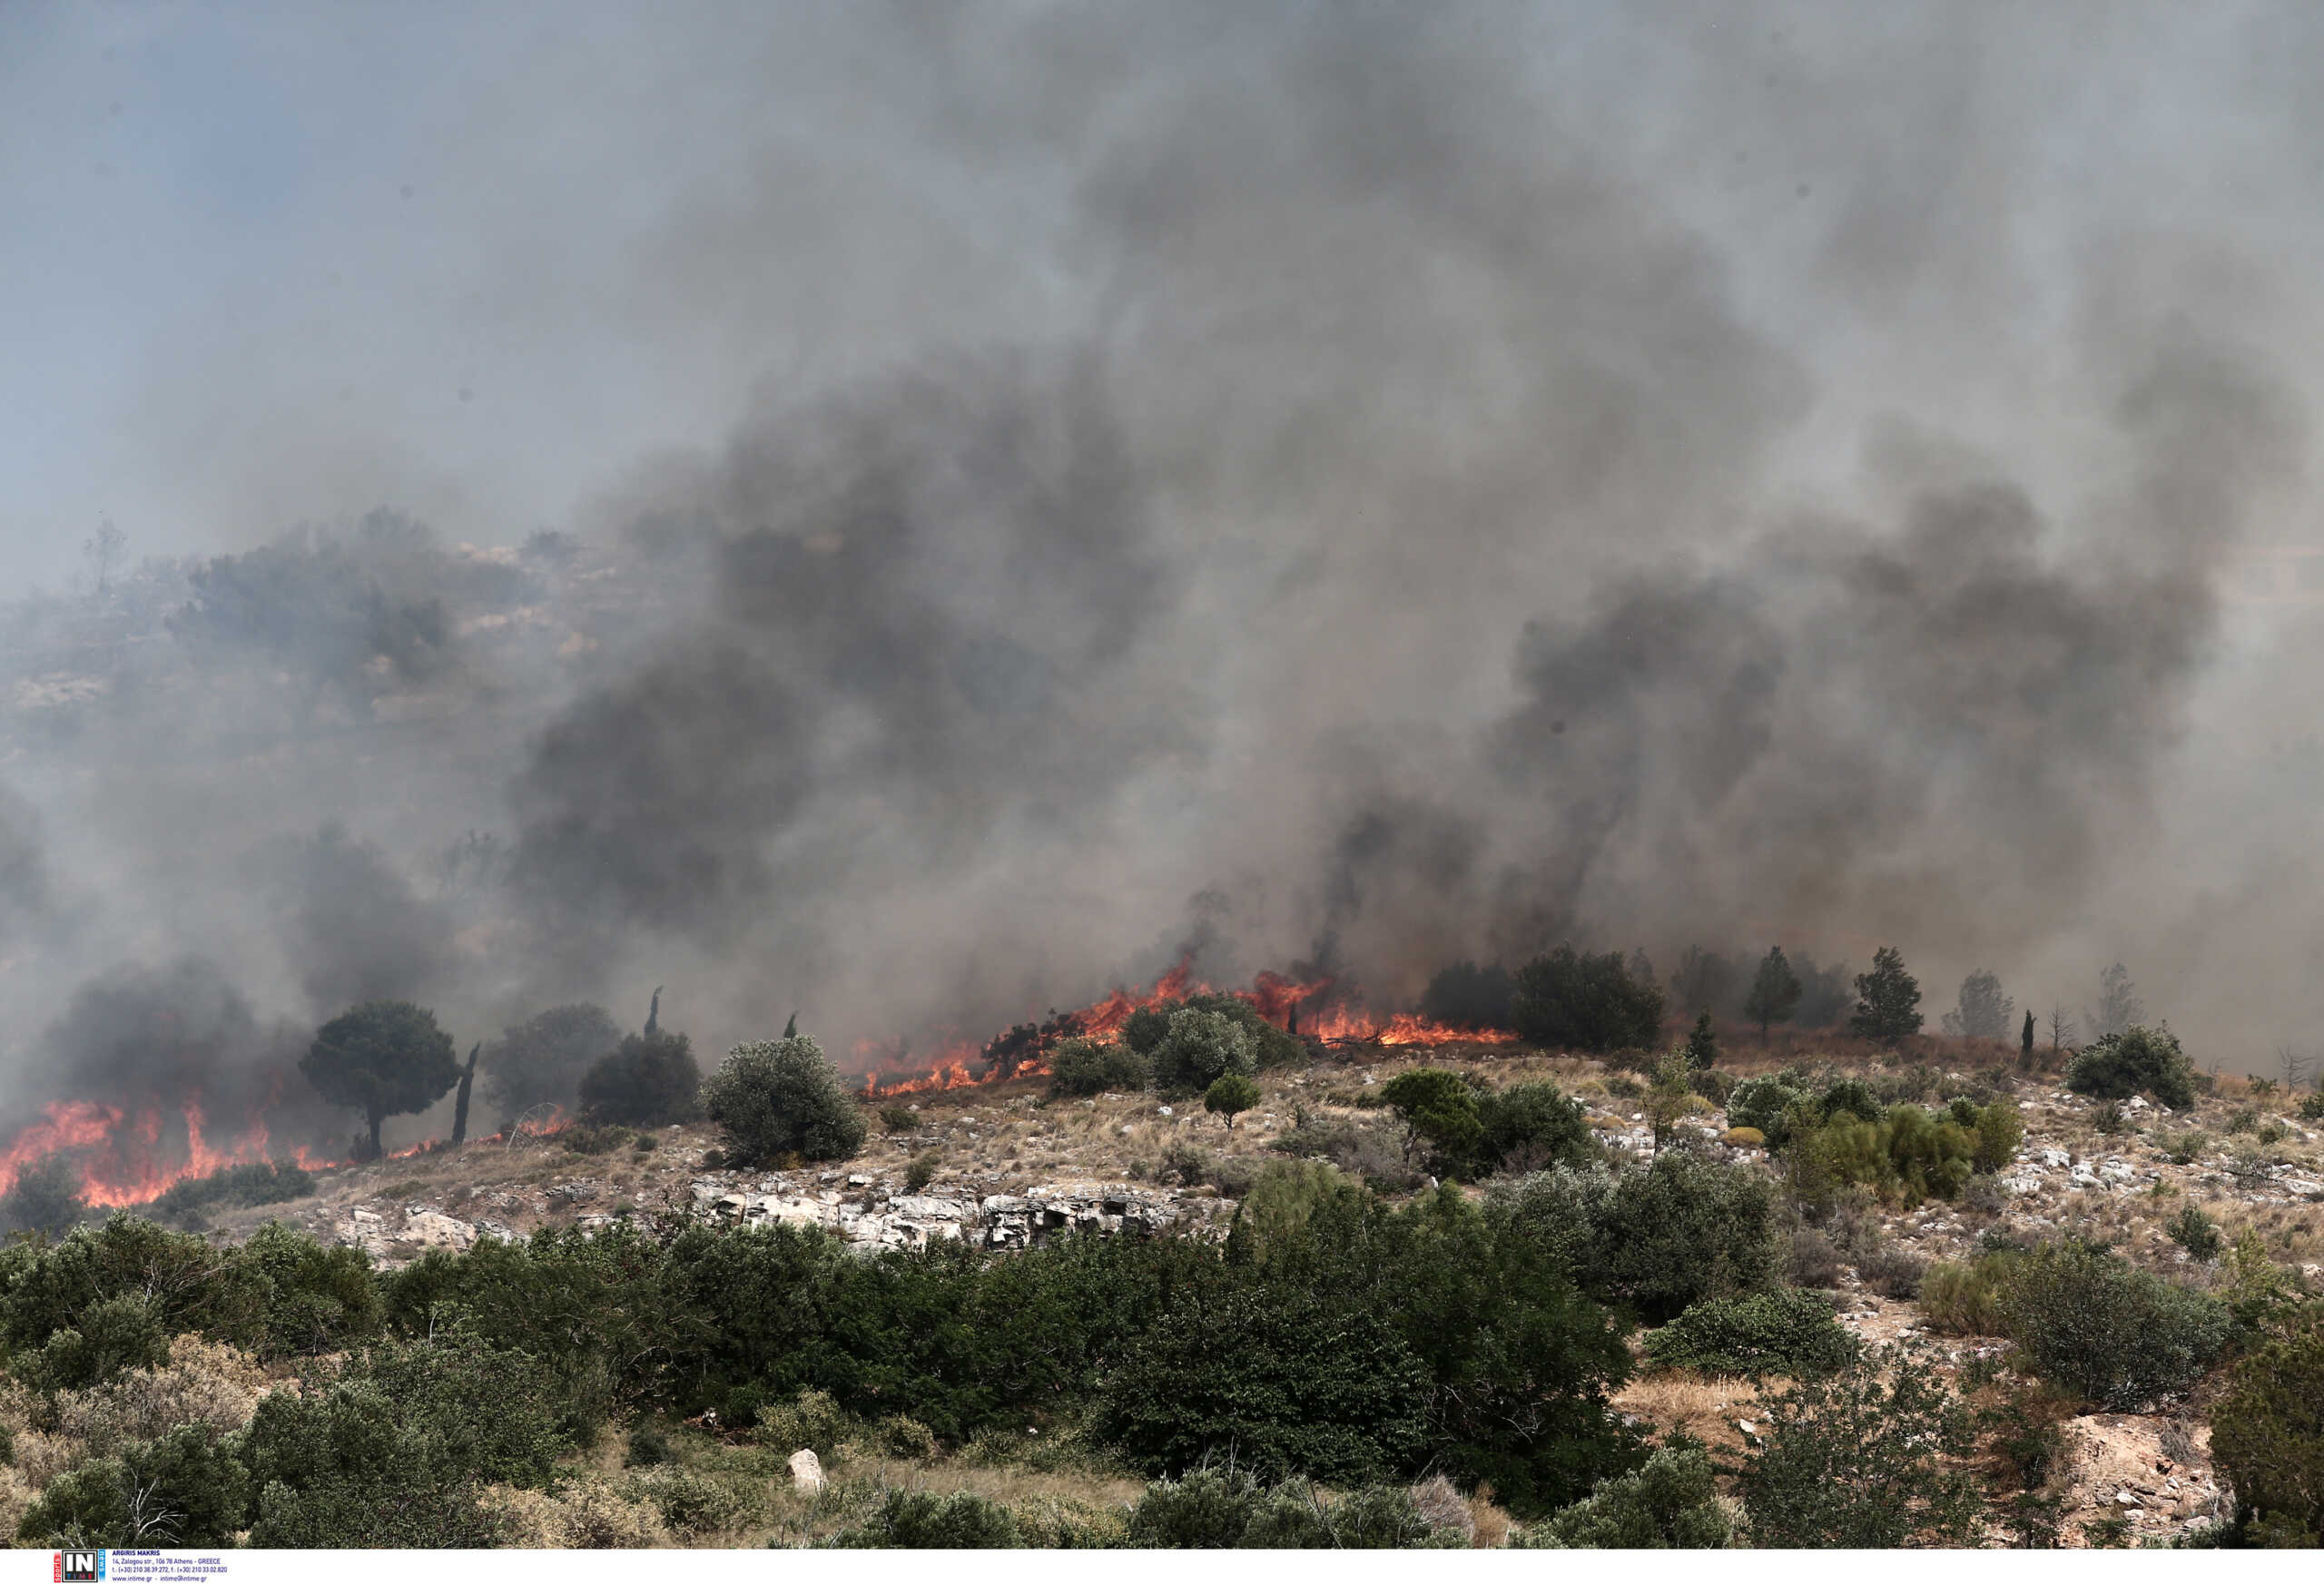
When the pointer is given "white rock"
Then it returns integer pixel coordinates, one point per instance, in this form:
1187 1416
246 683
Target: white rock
1165 1111
806 1471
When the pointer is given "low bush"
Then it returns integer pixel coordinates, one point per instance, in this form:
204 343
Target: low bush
922 1170
2195 1233
2268 1434
1893 1274
1672 1502
2136 1061
898 1119
1765 1104
780 1097
2094 1325
1867 1457
1784 1331
260 1183
1083 1065
1216 1509
1965 1299
1270 1047
1579 1001
2311 1106
923 1520
645 1082
1201 1046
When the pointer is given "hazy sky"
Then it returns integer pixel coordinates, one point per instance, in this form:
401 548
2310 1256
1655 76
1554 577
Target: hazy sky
1933 375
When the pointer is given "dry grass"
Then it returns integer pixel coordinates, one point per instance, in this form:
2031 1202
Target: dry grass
1704 1407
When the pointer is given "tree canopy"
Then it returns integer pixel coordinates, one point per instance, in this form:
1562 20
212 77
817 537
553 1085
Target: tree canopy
382 1058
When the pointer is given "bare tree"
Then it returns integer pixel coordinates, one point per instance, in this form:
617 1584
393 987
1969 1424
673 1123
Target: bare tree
2062 1027
104 548
2292 1067
2119 1006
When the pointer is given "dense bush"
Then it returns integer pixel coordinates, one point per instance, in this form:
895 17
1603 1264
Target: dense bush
1529 1127
1229 1096
1670 1501
1083 1065
1469 998
1766 1103
781 1097
45 1198
185 1487
1656 1241
1580 1001
645 1082
543 1059
1223 1508
1199 1048
1270 1047
2138 1060
921 1519
1783 1332
2094 1325
1866 1457
2268 1436
397 1451
1439 1109
260 1182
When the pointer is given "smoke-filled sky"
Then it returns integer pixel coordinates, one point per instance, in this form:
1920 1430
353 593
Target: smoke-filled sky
1357 484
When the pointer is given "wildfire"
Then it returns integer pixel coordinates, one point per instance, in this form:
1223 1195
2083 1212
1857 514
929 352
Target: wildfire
120 1155
1333 1019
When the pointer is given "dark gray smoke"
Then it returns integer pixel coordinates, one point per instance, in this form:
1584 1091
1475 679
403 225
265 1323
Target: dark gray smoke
1353 486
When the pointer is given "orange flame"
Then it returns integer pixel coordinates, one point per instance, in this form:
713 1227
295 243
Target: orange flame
1278 998
119 1158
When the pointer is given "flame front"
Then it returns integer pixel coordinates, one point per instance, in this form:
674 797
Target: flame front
1022 1051
120 1155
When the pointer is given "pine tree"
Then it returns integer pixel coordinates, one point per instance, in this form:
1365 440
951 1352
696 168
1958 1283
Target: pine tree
1702 1046
2025 1041
1887 999
1775 991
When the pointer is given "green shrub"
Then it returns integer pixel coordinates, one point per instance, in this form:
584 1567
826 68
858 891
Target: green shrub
1578 1001
1286 1379
45 1198
1230 1095
923 1170
1965 1299
649 1446
906 1438
1270 1047
1863 1458
1438 1109
2311 1106
2091 1323
1766 1103
2195 1233
811 1419
778 1098
319 1299
1892 1272
2184 1149
1715 1086
1223 1508
1083 1065
1906 1154
925 1522
1657 1241
898 1119
121 1333
260 1182
185 1487
2138 1060
1200 1048
645 1082
1672 1502
1529 1127
2268 1436
1784 1331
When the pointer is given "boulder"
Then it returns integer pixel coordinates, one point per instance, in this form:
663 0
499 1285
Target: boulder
806 1471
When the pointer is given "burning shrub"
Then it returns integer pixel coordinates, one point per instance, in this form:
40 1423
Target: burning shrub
1469 998
1084 1066
649 1079
1577 1001
1200 1048
544 1058
2138 1059
382 1058
774 1097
